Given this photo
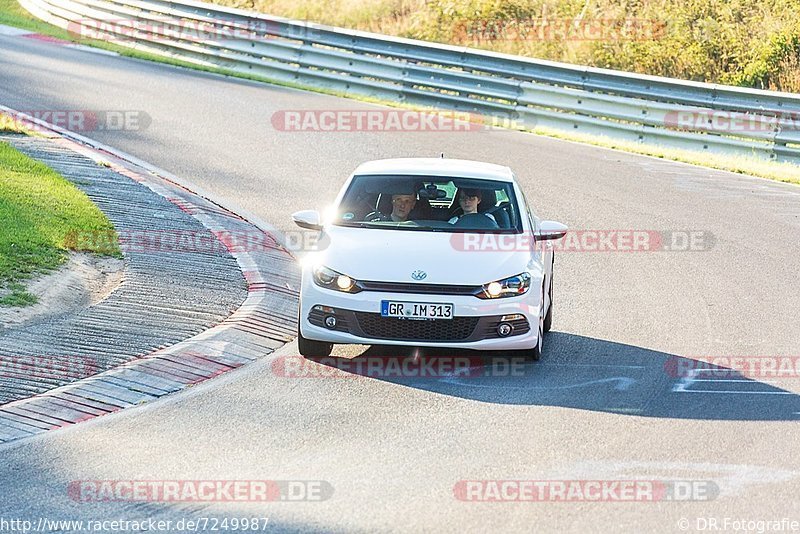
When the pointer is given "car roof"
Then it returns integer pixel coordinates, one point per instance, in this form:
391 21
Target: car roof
456 168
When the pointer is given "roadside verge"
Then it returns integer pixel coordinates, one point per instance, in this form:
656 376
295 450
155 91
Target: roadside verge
267 276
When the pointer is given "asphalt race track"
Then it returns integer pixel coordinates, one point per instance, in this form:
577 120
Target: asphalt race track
604 403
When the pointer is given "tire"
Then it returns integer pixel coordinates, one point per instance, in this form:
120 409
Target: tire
548 319
535 353
313 349
310 348
531 355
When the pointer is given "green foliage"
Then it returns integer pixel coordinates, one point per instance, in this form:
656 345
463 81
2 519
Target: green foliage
752 43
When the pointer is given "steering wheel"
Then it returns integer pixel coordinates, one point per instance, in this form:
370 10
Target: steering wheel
499 207
374 216
476 221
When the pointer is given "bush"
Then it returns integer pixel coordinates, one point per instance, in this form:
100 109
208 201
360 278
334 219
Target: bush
753 43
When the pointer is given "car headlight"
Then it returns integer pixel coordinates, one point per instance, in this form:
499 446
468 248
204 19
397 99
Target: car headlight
330 279
509 287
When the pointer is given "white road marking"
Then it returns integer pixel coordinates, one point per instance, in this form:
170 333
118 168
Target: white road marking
689 379
685 382
92 49
733 380
623 384
732 478
734 392
591 365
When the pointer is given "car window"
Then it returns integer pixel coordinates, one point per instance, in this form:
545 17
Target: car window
435 204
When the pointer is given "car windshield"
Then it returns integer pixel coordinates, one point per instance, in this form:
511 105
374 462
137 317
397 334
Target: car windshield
434 204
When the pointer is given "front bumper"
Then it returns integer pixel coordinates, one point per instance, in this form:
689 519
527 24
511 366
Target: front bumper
474 326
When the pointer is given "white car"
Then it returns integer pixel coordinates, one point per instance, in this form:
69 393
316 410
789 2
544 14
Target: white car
407 259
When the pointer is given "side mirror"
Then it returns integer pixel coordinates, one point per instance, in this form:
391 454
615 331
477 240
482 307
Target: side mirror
551 230
308 219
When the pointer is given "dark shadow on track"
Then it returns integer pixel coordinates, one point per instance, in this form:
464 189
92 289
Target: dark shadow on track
584 373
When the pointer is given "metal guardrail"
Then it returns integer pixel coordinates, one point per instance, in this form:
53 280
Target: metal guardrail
619 105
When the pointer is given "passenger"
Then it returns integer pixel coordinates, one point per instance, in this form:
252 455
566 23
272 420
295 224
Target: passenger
469 199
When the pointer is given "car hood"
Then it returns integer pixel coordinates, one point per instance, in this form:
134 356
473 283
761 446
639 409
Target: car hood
393 255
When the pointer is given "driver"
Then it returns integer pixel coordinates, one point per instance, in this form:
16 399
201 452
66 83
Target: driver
403 202
402 206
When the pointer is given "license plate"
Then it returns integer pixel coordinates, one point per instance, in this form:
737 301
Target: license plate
416 310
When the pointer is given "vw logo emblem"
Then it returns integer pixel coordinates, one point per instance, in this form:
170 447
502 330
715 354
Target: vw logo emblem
419 275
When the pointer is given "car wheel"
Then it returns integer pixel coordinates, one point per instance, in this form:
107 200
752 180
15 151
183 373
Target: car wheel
313 349
536 352
310 348
548 319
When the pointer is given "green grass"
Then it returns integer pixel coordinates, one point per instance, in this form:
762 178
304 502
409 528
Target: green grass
42 214
398 20
780 172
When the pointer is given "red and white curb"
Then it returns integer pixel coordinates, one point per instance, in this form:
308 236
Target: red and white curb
265 321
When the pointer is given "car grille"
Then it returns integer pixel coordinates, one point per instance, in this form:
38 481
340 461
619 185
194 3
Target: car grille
403 287
379 327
